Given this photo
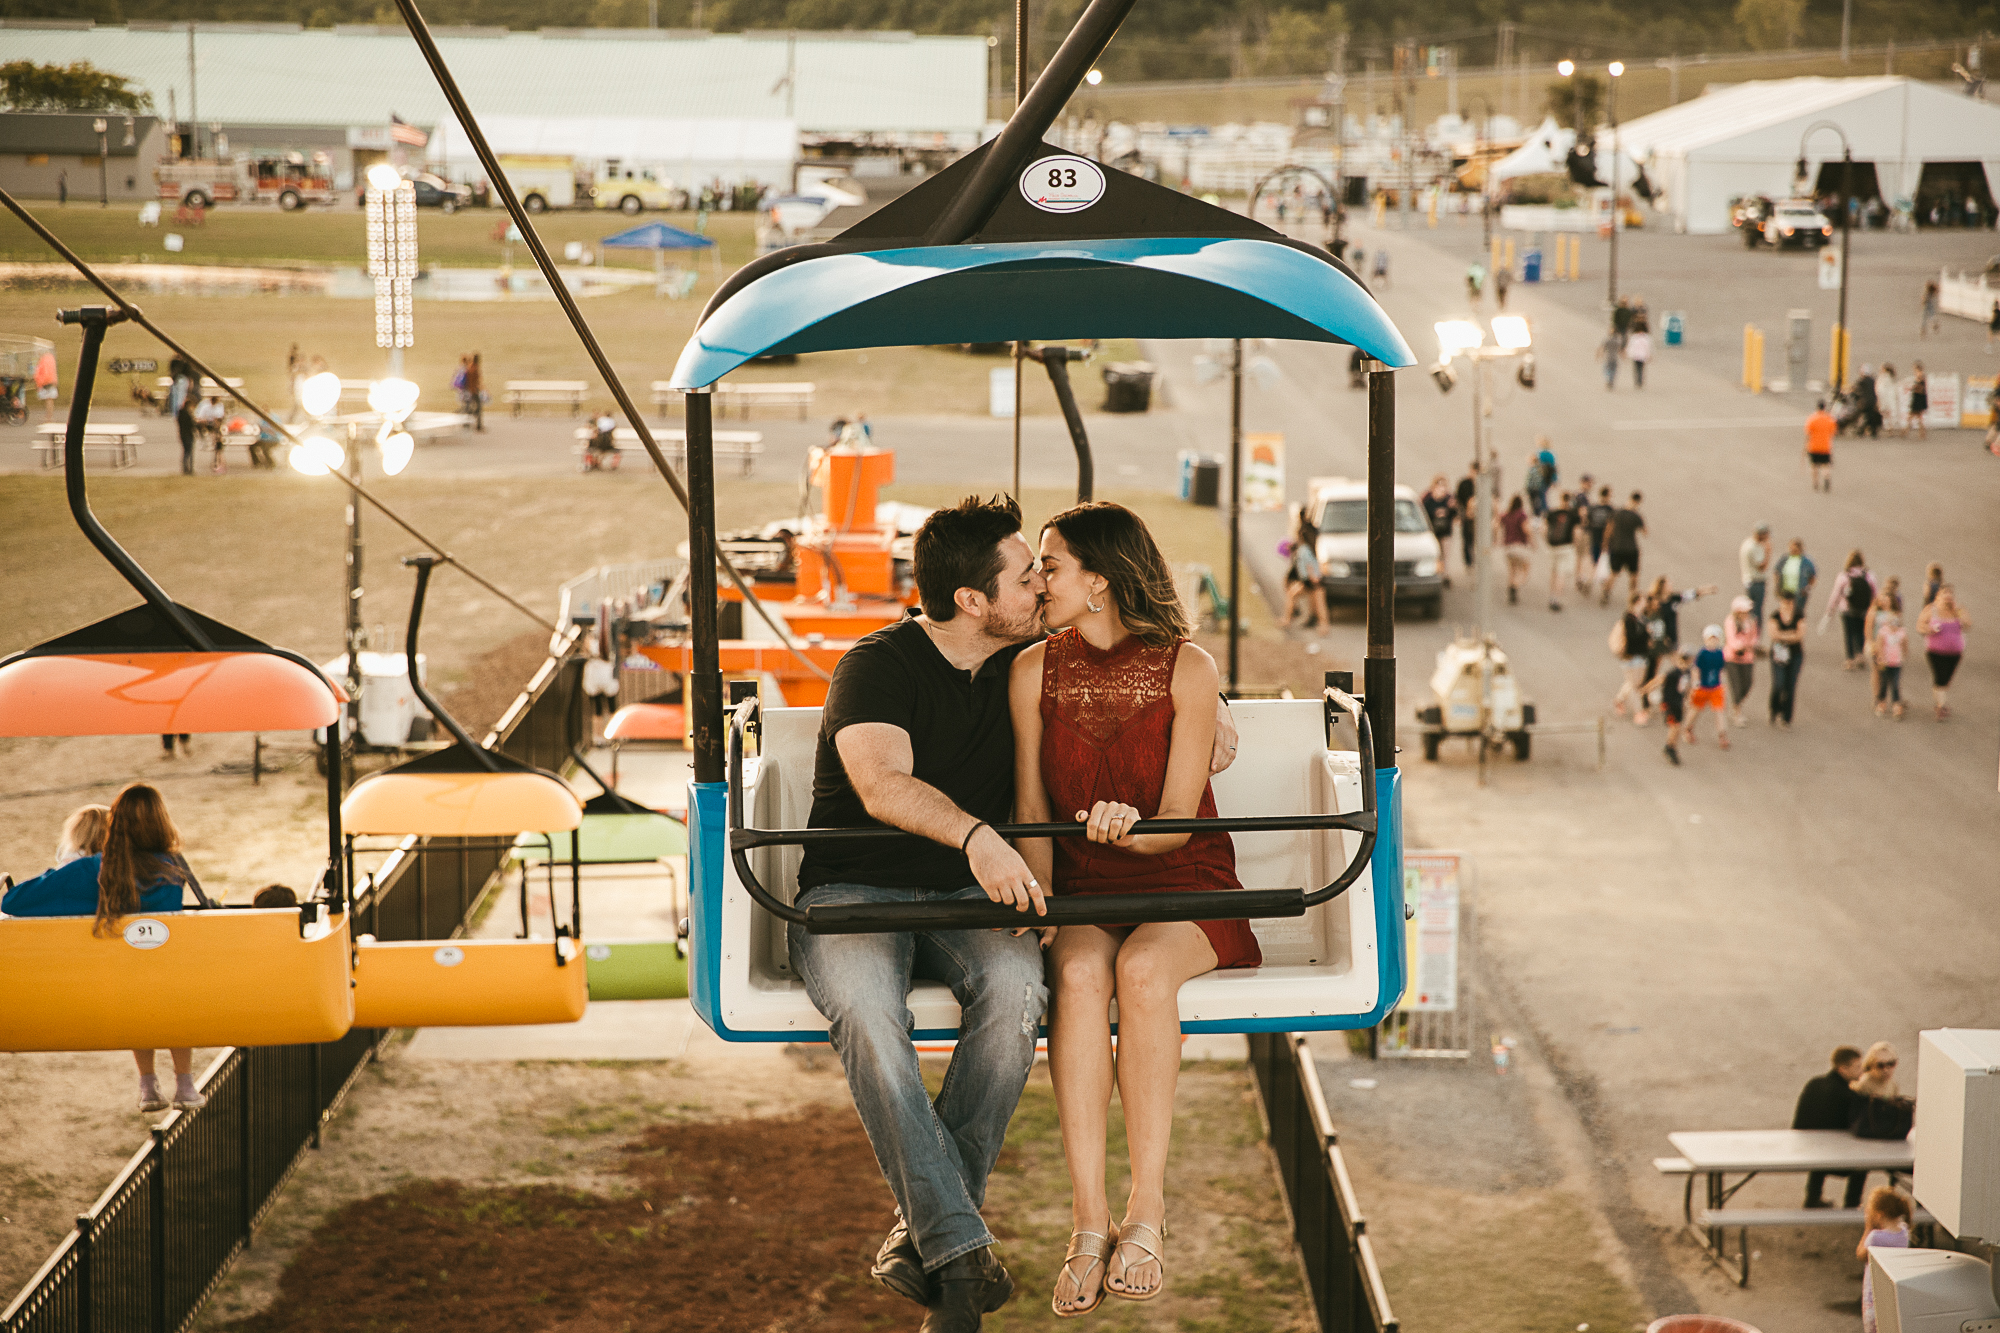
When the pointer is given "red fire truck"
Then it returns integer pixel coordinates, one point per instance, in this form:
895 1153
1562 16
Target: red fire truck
289 180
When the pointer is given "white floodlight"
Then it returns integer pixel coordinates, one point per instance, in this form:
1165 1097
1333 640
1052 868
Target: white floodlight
397 448
1456 336
320 394
1565 67
316 456
382 176
395 399
1094 78
1616 67
1510 332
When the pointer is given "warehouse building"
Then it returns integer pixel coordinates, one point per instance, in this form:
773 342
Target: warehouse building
362 93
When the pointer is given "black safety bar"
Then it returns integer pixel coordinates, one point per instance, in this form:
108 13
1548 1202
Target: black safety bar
1095 909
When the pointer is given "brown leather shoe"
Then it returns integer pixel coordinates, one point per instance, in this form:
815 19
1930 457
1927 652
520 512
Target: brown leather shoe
900 1268
968 1288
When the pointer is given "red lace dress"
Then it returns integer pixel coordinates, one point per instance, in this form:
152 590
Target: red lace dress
1107 725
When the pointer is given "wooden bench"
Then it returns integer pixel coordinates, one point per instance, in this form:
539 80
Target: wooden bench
743 446
537 393
742 395
119 442
1715 1221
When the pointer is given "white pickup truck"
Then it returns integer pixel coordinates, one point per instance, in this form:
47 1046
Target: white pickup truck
1339 506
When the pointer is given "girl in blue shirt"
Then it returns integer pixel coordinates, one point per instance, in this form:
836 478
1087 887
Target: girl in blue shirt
139 869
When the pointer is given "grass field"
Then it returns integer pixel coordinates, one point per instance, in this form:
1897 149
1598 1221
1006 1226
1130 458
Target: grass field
249 336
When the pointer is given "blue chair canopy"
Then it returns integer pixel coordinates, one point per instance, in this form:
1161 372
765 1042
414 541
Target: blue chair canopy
1149 287
656 236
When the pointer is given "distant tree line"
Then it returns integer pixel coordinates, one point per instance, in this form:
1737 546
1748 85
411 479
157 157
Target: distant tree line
1177 39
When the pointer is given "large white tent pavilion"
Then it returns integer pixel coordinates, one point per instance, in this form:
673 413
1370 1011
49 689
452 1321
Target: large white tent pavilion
1920 142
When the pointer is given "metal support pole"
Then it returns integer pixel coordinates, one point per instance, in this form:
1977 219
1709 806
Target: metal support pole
1379 668
354 634
1235 506
1617 214
157 1284
1485 498
1846 232
705 680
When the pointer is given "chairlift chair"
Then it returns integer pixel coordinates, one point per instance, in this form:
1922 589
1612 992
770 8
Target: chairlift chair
1020 241
189 978
463 791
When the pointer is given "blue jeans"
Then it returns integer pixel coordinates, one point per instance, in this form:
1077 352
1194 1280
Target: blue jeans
935 1155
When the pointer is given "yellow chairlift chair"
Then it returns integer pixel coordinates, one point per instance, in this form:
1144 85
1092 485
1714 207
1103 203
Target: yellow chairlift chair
464 791
187 978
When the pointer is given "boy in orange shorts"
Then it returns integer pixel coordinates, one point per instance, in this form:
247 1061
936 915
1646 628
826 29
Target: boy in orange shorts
1708 664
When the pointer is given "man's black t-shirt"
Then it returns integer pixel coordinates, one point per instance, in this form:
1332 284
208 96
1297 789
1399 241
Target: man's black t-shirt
962 743
1562 527
1467 489
1624 535
1598 517
1826 1102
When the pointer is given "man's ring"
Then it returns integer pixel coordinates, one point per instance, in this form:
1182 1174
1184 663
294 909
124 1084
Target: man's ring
1033 885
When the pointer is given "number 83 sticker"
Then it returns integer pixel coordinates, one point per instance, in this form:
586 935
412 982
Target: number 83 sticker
1063 184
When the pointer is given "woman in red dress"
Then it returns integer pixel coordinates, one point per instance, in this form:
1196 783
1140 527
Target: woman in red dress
1114 722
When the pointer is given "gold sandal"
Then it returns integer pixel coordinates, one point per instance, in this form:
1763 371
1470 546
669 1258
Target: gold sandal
1092 1247
1130 1234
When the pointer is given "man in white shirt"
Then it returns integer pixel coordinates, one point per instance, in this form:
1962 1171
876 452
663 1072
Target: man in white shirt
1754 558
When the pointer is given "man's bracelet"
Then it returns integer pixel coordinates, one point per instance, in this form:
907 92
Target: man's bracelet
968 835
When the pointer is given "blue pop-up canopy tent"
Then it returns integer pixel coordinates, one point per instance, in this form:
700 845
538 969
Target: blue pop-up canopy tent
660 238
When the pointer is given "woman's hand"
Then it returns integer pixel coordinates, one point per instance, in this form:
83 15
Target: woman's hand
1045 934
1109 822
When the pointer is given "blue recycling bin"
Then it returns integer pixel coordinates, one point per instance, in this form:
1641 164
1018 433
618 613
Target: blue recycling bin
1676 328
1531 265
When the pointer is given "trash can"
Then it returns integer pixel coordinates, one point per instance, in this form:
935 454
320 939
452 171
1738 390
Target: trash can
1128 386
1531 265
1206 487
1676 328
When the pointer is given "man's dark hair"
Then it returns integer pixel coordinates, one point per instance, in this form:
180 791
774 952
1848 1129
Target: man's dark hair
1844 1055
959 547
1636 497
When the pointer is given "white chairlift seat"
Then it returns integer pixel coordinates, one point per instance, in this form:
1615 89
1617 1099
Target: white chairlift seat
1338 966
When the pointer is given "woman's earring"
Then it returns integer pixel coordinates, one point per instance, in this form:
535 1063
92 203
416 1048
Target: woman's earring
1092 605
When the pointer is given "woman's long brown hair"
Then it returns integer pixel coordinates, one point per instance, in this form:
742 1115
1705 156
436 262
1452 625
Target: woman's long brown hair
142 836
1111 541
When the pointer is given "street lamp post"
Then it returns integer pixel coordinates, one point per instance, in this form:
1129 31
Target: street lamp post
391 203
1485 170
1840 338
1512 338
100 125
1616 70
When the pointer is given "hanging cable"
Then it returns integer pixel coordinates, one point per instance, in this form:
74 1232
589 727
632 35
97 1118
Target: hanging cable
421 31
138 317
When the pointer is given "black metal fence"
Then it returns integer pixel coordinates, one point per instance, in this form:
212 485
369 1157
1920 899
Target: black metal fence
1327 1225
146 1255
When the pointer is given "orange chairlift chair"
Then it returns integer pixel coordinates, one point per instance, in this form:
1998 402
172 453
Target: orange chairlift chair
195 978
464 791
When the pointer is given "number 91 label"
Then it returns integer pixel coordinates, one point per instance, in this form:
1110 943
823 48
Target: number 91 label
1063 184
145 933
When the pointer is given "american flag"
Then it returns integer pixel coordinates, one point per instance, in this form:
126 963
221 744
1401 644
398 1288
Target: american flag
403 132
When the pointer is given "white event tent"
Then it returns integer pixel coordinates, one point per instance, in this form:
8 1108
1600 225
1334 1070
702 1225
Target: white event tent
687 150
1745 139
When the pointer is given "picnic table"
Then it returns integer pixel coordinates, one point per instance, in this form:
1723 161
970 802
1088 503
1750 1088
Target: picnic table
118 441
742 445
209 388
532 393
1715 1155
743 395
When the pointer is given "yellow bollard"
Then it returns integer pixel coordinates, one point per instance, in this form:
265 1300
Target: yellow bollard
1493 258
1753 358
1575 258
1509 260
1560 269
1840 359
1433 210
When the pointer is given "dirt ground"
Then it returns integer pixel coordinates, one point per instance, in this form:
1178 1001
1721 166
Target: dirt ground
685 1195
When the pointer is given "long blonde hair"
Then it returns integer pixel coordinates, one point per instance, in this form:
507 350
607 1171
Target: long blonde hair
1875 1080
141 838
83 832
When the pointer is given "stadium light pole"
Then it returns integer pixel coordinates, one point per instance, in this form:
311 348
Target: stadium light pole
100 125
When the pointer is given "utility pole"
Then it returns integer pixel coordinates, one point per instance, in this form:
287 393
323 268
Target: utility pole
1846 20
103 156
194 106
1503 60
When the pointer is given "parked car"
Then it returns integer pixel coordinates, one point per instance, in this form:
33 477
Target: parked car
1747 213
432 192
1794 223
1339 505
632 190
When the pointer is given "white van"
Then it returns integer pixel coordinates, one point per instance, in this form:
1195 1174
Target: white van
1339 506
